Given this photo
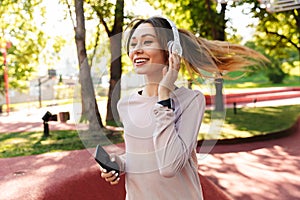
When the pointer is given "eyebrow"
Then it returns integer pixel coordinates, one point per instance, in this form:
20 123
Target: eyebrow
145 35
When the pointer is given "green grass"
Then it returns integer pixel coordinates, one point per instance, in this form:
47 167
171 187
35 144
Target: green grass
31 143
250 122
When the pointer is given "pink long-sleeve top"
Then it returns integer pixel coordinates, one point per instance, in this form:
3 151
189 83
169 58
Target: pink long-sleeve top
160 146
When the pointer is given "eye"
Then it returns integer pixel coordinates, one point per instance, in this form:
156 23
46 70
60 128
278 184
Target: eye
148 42
133 44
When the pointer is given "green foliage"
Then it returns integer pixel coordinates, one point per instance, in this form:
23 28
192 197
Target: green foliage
105 9
177 11
275 73
277 36
199 16
18 25
273 70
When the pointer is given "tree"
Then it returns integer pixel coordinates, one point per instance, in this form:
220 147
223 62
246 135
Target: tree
19 26
278 33
199 16
114 32
90 108
272 70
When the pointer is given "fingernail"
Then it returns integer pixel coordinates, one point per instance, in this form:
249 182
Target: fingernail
104 170
117 174
118 179
113 172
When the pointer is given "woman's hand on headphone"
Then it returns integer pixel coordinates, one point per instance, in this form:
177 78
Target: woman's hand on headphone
170 75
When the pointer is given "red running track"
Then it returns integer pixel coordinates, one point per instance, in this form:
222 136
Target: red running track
68 175
261 170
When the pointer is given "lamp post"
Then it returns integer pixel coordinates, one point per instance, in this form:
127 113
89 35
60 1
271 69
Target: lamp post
5 74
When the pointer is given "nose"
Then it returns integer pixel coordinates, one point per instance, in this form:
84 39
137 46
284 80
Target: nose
137 49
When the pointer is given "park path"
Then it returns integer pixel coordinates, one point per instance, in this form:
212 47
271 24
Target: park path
31 119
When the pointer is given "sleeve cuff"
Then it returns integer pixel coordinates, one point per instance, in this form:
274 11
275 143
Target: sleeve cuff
166 103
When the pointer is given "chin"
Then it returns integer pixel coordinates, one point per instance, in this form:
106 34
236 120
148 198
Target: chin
140 70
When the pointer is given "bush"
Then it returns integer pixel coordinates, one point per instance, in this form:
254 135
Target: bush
275 72
277 75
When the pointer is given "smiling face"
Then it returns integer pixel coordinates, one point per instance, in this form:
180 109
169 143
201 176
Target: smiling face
145 51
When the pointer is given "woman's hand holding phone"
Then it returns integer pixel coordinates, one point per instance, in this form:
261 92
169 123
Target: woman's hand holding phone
112 177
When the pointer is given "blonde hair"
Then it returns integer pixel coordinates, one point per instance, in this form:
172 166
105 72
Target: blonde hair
217 57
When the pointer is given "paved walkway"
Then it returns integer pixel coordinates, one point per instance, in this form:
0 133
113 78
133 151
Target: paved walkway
31 119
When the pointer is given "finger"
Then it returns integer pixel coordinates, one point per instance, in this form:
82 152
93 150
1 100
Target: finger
115 182
170 61
112 177
165 70
107 174
174 61
102 169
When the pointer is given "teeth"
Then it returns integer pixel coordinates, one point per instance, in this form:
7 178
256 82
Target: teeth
141 60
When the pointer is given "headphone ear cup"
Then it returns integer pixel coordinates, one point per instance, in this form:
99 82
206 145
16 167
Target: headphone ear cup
170 46
176 48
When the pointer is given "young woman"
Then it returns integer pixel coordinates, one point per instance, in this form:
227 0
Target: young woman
161 122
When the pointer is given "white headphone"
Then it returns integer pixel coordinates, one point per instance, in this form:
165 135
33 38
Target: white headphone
174 46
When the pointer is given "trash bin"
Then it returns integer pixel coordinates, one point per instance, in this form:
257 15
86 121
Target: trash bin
64 116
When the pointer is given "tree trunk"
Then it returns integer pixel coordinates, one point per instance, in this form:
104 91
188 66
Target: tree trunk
115 80
297 17
114 93
89 105
218 34
219 98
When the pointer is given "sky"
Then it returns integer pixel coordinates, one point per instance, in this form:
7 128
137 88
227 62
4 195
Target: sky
240 21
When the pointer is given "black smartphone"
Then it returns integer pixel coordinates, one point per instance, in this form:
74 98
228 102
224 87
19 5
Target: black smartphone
103 159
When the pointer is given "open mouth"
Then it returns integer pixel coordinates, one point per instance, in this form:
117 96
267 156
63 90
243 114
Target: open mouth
140 60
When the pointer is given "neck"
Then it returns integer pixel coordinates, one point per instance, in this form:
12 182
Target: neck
152 83
151 89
